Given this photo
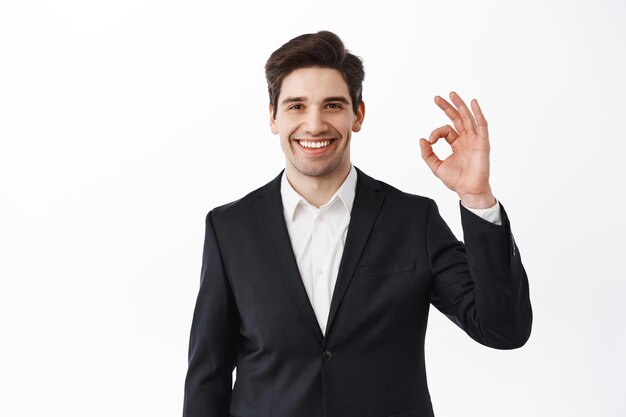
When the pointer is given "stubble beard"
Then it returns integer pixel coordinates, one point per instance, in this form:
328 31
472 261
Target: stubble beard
317 169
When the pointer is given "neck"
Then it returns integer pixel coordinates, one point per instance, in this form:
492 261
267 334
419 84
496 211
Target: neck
317 190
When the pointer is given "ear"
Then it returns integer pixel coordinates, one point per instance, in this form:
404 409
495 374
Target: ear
360 115
273 125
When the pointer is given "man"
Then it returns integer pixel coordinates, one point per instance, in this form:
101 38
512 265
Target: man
317 285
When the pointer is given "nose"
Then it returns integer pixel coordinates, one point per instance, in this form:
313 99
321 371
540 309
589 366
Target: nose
314 123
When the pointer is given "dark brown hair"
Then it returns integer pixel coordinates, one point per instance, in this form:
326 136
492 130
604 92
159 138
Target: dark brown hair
322 49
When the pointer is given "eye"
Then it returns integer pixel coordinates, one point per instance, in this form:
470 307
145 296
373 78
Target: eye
299 107
336 105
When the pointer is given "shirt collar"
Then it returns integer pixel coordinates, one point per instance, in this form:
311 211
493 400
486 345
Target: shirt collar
345 193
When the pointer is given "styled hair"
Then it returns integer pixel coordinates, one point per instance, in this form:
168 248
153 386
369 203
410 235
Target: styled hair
322 49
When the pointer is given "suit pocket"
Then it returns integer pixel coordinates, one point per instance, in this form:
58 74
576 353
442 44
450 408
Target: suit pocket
389 268
423 410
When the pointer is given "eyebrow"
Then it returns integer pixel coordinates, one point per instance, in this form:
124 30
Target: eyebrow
341 99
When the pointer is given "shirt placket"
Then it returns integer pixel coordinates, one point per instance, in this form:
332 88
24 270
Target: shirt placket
319 260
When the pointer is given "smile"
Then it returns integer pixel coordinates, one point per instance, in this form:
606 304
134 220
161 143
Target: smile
314 144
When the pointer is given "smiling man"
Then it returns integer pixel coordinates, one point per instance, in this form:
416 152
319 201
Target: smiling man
316 287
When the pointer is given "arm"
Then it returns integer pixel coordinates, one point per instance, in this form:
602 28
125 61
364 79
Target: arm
212 343
481 286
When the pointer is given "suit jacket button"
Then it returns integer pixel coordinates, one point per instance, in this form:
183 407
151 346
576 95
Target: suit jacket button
327 355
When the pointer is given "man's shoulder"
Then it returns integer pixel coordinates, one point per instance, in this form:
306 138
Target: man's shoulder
393 193
243 206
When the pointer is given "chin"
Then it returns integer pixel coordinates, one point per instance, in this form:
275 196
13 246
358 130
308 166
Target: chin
317 170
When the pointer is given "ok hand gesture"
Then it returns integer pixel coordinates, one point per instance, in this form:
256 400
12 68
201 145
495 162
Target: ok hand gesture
466 170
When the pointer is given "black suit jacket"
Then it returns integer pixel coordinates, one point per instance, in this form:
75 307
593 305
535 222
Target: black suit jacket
253 312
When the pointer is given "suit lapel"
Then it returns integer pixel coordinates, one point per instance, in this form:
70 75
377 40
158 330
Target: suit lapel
269 210
368 201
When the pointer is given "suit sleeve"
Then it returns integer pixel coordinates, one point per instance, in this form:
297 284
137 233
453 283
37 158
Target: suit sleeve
212 343
480 285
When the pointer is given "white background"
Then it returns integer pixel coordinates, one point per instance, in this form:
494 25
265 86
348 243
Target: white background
123 122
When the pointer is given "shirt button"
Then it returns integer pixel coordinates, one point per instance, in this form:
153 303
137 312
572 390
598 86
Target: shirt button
320 218
319 272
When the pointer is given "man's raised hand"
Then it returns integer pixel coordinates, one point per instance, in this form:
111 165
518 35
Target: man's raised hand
466 170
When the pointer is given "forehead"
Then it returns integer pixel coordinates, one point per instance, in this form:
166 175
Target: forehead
314 82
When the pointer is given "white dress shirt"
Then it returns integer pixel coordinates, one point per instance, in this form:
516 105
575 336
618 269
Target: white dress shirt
318 237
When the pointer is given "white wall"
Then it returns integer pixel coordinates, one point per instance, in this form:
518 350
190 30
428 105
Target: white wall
123 122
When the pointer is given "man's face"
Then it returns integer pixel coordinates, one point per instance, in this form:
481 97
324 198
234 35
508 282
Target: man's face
315 120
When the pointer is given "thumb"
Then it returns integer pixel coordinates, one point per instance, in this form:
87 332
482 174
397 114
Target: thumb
429 156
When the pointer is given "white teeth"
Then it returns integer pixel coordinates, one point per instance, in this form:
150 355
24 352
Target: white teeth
309 144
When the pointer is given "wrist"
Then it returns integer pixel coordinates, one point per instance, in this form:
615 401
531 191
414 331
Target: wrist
478 201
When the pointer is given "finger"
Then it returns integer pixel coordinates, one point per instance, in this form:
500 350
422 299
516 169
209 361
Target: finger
446 132
468 120
481 122
451 112
429 156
